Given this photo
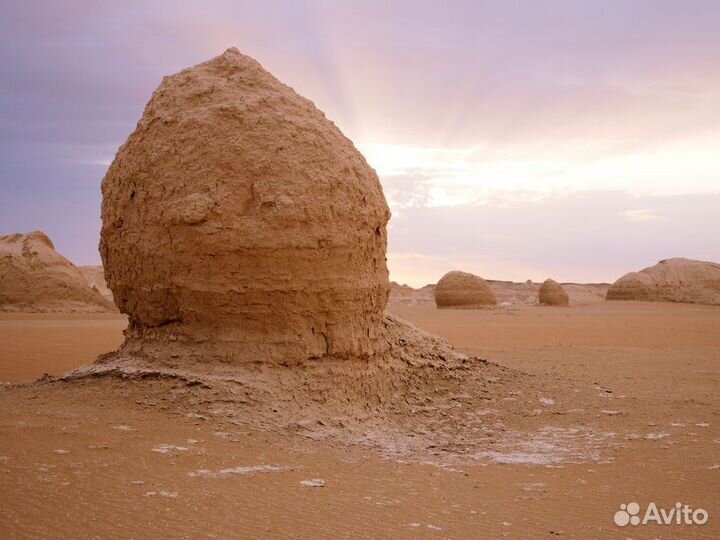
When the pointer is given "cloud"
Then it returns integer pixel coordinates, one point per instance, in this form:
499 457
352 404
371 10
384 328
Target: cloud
457 176
642 214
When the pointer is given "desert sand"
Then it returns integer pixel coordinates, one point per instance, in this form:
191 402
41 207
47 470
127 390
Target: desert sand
628 410
37 343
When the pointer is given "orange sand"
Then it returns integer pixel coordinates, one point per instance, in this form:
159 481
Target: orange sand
87 459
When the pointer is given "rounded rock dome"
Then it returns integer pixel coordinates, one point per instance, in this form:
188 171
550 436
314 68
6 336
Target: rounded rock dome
238 217
463 290
551 293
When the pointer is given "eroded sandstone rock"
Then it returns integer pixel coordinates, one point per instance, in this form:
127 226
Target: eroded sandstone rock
241 224
671 280
463 290
551 293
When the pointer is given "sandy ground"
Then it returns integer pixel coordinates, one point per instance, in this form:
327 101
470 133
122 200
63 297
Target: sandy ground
120 459
32 344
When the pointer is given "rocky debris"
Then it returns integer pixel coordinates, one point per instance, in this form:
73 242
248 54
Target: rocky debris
36 278
463 290
671 280
551 293
421 397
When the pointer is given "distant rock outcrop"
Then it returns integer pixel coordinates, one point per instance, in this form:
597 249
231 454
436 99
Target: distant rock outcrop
404 294
509 293
586 293
95 277
36 278
400 293
463 290
671 280
551 293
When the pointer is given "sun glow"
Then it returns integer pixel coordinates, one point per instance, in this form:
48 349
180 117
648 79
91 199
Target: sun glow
479 173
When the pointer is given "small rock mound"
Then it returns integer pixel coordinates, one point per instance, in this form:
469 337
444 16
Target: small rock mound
239 223
463 290
36 278
551 293
671 280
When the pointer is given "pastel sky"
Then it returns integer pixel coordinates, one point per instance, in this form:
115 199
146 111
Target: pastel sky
569 139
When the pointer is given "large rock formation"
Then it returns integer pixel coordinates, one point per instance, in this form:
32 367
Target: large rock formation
671 280
463 290
239 223
240 226
36 278
551 293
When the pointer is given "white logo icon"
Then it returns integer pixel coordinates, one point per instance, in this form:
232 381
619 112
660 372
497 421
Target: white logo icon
680 514
628 513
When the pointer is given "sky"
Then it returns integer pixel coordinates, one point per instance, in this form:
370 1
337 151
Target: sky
575 139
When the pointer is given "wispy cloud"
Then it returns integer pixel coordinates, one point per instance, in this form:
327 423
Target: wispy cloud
642 214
